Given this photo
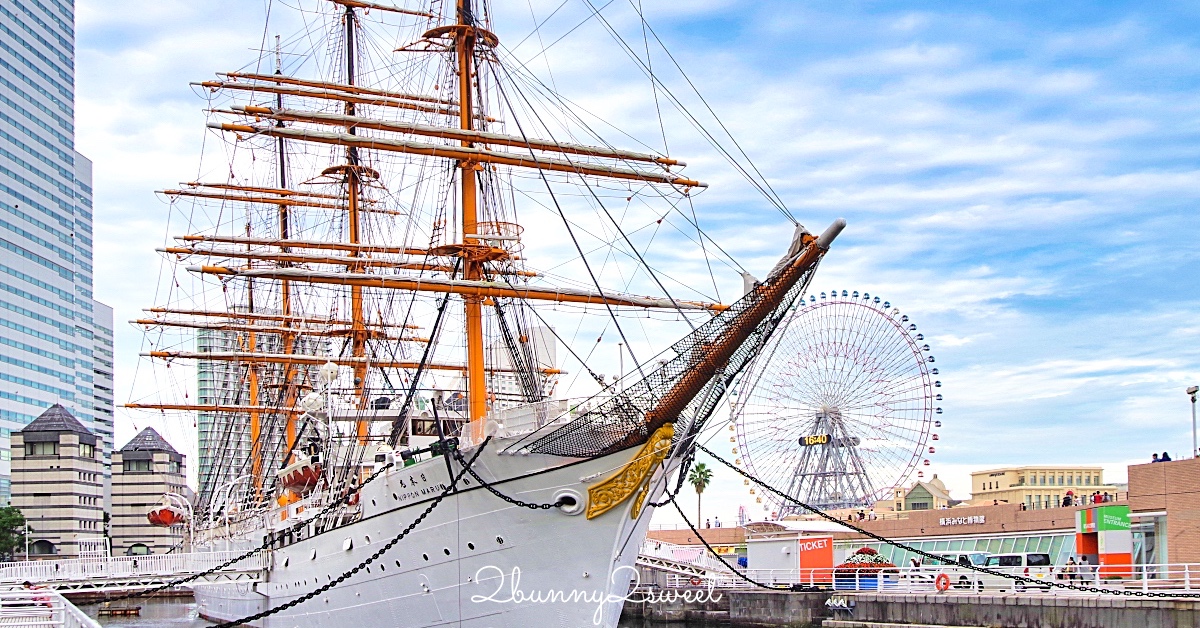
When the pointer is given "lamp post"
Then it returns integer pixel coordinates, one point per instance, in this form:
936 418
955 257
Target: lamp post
1192 390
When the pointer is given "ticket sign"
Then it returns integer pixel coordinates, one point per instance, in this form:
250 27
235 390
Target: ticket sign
818 439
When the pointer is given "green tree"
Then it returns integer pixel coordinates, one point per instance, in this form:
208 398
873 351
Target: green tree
700 477
12 531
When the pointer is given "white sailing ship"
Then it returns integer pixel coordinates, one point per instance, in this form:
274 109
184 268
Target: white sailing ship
377 380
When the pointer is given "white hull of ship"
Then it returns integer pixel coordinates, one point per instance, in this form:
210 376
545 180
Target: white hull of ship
474 561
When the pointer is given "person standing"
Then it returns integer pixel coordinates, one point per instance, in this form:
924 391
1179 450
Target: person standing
1070 568
1085 569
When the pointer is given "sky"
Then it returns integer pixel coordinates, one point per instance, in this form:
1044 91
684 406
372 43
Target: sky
1020 178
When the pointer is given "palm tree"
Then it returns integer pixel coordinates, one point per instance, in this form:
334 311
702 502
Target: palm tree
699 478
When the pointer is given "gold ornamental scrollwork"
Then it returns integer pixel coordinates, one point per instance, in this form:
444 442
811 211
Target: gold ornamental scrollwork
634 477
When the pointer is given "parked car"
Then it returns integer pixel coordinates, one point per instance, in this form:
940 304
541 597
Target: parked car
952 564
1035 565
965 559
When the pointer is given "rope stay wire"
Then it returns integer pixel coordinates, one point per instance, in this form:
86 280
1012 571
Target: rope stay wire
761 183
882 539
370 559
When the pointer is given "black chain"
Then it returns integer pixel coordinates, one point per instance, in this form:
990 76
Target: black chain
370 559
924 554
271 538
671 500
512 500
683 469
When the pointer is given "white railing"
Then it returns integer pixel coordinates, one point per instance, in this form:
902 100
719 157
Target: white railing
40 607
152 565
691 555
1180 577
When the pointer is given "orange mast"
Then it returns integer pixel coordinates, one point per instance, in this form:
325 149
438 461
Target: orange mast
472 270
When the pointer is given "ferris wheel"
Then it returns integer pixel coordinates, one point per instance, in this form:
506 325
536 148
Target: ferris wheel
840 407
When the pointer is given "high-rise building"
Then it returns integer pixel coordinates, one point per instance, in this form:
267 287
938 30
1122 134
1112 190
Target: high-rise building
224 437
48 317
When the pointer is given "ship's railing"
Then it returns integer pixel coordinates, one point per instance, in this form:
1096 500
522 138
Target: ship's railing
169 565
1115 578
40 607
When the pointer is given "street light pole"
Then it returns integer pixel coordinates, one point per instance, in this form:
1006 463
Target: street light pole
1192 390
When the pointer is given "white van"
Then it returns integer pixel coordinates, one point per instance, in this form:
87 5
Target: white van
1033 565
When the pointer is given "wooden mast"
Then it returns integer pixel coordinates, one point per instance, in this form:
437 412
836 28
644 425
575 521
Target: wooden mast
358 339
472 270
285 286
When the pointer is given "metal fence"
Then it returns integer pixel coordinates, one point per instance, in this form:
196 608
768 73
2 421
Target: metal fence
696 556
1178 577
153 565
40 607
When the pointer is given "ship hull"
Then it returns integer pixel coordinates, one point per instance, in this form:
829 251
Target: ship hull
474 561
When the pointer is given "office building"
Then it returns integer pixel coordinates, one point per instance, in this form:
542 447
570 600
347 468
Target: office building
48 317
1038 487
58 484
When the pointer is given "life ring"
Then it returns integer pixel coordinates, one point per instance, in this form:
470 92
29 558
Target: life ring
942 582
695 581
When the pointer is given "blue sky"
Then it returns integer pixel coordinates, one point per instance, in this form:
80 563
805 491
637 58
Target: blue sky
1021 178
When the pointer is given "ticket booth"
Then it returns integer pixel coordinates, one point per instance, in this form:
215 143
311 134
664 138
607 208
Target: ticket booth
1103 534
791 557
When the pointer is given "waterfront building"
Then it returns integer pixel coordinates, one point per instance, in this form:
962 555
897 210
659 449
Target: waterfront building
931 495
48 317
1038 486
144 470
58 484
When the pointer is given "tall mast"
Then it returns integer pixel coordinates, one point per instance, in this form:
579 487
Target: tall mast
473 270
285 287
358 339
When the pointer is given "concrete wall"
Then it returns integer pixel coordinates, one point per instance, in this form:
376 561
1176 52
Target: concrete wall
755 609
1023 611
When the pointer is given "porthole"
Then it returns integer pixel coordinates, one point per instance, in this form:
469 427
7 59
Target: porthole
372 501
500 540
313 556
395 497
368 538
446 551
470 546
425 556
397 564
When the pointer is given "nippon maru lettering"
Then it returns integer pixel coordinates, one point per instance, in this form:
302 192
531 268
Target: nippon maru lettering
963 521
